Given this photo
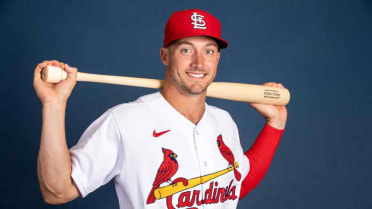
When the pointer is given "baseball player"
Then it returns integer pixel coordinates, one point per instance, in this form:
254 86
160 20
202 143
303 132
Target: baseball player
169 149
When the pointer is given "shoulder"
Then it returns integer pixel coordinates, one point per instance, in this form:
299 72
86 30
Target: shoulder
223 120
219 114
140 105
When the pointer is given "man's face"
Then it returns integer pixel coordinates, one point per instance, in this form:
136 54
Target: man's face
191 63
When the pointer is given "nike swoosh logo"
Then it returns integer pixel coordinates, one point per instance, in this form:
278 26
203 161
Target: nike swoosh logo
157 134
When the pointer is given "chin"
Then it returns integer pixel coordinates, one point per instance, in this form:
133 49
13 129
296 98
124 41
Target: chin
195 90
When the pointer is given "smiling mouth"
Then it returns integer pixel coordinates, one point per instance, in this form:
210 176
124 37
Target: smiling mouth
196 75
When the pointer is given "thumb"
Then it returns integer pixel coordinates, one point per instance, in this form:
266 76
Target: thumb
71 78
71 73
256 105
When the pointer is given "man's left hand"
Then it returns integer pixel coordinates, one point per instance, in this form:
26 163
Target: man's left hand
275 115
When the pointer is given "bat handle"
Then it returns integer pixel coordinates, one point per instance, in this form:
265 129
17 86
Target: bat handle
53 74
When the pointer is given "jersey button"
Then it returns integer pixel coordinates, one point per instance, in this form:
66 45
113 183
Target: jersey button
205 163
197 132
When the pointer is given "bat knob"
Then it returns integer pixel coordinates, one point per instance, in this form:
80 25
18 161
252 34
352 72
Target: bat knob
53 74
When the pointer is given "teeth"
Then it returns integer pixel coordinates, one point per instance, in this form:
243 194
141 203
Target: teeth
196 75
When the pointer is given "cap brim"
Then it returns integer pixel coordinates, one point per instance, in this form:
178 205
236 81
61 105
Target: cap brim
222 44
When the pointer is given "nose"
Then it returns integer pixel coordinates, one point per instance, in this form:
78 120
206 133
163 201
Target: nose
198 60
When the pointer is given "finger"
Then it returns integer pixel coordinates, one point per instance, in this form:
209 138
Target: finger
49 62
269 84
67 68
70 69
71 72
55 63
40 66
279 85
274 84
71 77
62 65
38 69
252 104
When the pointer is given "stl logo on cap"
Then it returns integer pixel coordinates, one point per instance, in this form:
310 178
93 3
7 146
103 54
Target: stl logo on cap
198 21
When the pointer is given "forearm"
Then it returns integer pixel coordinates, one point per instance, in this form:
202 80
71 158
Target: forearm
260 156
54 161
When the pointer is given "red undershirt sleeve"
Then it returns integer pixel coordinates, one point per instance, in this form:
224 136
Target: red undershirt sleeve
260 155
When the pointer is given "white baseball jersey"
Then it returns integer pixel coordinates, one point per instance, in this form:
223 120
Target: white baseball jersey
160 159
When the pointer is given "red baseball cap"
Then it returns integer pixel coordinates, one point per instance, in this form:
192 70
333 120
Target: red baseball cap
193 22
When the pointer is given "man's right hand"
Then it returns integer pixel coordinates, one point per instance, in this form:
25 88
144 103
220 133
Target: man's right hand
54 93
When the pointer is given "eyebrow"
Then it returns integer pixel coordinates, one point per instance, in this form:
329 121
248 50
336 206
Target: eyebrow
188 43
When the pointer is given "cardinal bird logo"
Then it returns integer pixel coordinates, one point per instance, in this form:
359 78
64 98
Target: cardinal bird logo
166 171
228 155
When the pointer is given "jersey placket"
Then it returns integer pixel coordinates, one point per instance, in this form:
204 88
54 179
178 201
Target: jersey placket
196 138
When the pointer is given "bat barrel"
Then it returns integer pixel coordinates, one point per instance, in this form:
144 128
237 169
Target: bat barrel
249 93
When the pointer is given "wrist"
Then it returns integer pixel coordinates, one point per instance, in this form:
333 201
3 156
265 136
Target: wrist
276 123
54 105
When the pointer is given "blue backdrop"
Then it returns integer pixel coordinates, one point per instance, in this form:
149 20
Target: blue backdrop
319 49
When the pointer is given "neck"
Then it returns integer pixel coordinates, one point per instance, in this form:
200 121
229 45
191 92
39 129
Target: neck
191 106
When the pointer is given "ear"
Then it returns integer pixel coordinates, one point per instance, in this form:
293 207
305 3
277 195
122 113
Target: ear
164 56
218 56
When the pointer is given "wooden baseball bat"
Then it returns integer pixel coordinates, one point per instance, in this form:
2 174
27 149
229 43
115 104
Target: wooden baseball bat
224 90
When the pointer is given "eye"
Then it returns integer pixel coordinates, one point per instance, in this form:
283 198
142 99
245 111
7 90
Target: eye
185 51
209 52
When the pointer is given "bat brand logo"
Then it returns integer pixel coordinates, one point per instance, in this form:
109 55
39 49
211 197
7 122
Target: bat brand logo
187 198
197 21
157 134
